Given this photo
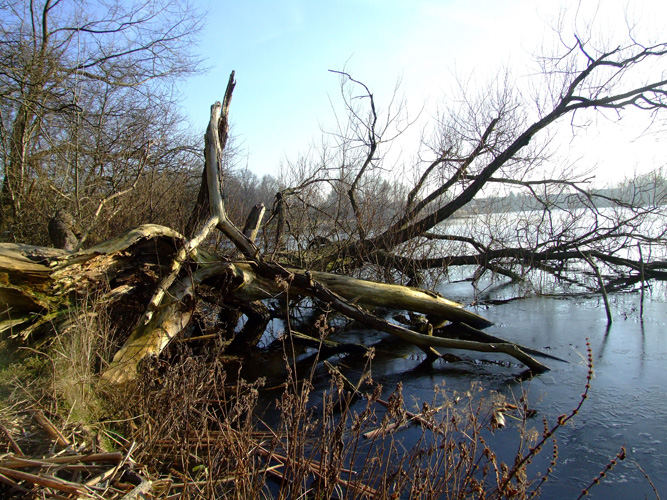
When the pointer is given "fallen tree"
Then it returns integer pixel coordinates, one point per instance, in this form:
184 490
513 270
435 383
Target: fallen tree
485 195
43 285
582 240
149 279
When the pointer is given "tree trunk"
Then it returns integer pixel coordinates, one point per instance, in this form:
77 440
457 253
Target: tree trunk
42 285
48 283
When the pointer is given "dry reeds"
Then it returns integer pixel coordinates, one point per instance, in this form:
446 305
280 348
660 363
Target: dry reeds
191 428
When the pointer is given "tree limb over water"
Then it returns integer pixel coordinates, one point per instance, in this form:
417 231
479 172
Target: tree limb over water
486 157
172 305
339 217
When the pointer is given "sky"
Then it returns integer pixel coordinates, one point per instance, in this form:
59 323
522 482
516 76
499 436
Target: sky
281 52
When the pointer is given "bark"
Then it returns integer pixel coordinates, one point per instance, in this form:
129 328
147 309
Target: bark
253 221
368 293
61 231
46 281
42 285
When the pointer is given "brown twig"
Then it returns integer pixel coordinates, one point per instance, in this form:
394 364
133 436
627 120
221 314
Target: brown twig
50 428
12 483
612 463
14 445
16 462
45 481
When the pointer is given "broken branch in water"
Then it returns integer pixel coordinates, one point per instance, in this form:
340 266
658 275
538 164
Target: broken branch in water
184 269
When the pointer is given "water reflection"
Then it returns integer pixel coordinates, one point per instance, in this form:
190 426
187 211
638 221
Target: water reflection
627 405
628 401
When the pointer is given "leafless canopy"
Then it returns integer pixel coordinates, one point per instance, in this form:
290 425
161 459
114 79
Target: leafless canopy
486 164
86 102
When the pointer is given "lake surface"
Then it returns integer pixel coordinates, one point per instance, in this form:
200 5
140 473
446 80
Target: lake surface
627 405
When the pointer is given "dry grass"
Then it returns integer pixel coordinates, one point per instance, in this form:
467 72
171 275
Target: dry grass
191 428
204 432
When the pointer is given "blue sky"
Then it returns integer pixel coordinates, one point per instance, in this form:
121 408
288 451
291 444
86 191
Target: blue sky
281 51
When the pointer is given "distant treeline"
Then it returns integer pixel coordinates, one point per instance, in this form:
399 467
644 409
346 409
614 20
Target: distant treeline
245 189
646 190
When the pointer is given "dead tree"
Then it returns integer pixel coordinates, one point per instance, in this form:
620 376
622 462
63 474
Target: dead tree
149 275
486 166
44 284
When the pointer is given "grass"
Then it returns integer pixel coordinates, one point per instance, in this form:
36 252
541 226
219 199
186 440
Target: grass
192 428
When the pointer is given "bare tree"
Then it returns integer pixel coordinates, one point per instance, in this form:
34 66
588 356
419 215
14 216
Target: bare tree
337 214
492 148
87 103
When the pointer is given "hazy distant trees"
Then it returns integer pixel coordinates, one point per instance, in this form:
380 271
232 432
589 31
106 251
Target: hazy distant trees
244 190
643 190
87 114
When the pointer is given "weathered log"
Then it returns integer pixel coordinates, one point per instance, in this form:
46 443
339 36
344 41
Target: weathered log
152 337
369 293
253 221
355 312
49 283
215 139
44 287
38 284
342 291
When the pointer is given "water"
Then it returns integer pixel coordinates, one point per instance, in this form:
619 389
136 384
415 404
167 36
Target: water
628 402
627 405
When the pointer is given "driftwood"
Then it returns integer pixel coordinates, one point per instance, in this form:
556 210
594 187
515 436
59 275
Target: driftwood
40 287
74 469
254 221
67 276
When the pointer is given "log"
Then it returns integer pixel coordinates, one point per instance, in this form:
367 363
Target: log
24 285
40 285
151 338
355 312
253 221
258 286
369 293
50 283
